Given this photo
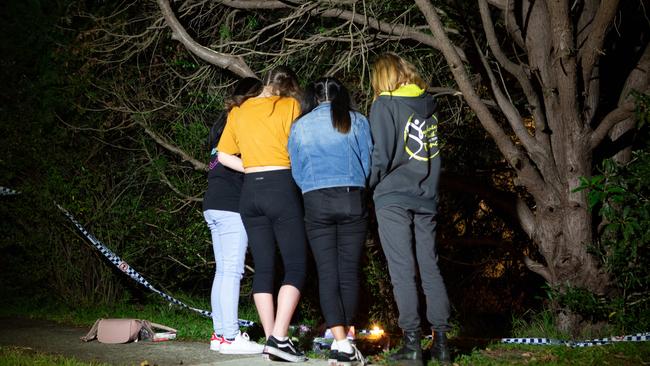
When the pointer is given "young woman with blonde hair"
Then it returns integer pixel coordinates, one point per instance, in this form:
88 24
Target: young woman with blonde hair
270 204
404 176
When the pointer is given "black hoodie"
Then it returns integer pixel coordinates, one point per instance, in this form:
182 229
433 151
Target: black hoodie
405 157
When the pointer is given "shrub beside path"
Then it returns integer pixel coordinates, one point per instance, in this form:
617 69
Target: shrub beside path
54 338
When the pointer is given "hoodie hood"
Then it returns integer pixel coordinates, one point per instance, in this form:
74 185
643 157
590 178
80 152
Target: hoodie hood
414 98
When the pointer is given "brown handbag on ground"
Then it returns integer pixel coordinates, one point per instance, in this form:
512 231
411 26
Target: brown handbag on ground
127 330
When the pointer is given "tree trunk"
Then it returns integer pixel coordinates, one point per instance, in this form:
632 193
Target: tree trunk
563 235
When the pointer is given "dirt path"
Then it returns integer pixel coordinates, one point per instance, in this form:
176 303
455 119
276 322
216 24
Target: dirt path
54 338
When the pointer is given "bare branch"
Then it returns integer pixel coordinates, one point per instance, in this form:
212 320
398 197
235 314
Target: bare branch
511 23
526 217
517 70
229 62
536 152
618 115
172 148
592 48
254 4
501 4
169 184
530 176
564 63
539 268
390 28
395 29
639 79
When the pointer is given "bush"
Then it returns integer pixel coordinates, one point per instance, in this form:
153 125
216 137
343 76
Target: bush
621 194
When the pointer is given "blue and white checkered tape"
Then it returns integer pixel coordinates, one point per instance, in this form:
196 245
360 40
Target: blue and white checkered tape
639 337
4 191
128 270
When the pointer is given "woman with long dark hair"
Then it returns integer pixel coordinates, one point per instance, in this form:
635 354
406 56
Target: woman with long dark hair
330 149
270 205
229 240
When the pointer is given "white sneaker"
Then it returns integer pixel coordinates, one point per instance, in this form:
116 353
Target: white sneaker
215 342
241 345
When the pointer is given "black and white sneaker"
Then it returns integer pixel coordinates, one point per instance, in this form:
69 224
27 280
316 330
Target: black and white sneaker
350 359
332 359
284 350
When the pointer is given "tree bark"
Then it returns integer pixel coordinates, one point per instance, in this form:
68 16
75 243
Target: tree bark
231 63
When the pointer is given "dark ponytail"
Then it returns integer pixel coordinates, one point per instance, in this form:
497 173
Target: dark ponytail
245 88
331 90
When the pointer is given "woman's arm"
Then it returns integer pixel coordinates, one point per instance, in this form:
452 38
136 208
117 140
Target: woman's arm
384 135
364 141
231 161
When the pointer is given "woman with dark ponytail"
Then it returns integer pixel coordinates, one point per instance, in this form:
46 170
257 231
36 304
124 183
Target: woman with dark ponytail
330 148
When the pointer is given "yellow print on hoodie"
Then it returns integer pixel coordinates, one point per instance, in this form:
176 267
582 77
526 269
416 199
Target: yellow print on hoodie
421 138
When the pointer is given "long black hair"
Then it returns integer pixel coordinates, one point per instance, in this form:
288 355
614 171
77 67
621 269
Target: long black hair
245 88
329 89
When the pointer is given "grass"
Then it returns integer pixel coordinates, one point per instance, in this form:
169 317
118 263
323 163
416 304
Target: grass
542 325
190 325
193 326
19 356
622 354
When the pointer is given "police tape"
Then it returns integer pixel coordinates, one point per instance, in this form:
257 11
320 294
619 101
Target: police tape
639 337
4 191
129 271
126 268
121 264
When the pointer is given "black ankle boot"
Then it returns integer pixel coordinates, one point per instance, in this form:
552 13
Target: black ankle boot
411 350
439 350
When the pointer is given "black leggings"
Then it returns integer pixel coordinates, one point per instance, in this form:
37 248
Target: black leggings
272 212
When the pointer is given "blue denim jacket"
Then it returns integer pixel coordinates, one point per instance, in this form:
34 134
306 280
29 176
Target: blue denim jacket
322 157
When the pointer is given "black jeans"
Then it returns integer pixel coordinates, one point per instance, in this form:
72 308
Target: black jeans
336 222
271 210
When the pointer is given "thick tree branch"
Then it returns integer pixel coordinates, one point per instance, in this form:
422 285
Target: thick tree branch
501 4
564 65
515 69
539 268
590 84
639 80
254 4
232 63
618 115
394 29
525 170
524 81
511 113
511 23
526 217
592 48
505 204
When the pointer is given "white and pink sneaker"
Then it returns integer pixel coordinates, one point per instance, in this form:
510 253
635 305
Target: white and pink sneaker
241 345
215 342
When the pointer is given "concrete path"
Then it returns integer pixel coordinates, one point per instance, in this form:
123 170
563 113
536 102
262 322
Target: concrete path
54 338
